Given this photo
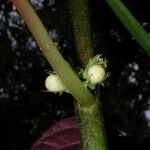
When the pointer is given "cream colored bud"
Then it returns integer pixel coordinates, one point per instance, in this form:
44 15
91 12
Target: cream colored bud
54 84
97 74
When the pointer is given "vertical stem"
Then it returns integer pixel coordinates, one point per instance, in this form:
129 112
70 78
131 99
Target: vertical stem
131 24
80 20
92 131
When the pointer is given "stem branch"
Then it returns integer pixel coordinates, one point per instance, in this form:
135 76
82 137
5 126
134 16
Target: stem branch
61 67
129 21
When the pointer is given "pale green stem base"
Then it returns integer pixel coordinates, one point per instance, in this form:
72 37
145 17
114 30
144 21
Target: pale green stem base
92 131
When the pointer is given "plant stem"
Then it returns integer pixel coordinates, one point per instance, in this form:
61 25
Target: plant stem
62 68
131 24
79 13
92 131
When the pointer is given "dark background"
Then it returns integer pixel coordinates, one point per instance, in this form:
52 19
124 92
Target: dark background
26 111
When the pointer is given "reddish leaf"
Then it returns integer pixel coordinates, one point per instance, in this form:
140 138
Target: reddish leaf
64 135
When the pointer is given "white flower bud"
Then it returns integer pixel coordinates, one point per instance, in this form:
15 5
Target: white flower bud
54 84
97 74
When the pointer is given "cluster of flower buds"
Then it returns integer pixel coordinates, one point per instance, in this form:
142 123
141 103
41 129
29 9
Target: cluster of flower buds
94 74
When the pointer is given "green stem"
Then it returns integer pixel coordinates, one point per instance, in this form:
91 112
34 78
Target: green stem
79 13
92 132
131 24
62 68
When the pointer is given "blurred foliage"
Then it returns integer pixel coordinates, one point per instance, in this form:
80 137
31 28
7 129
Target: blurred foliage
25 111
